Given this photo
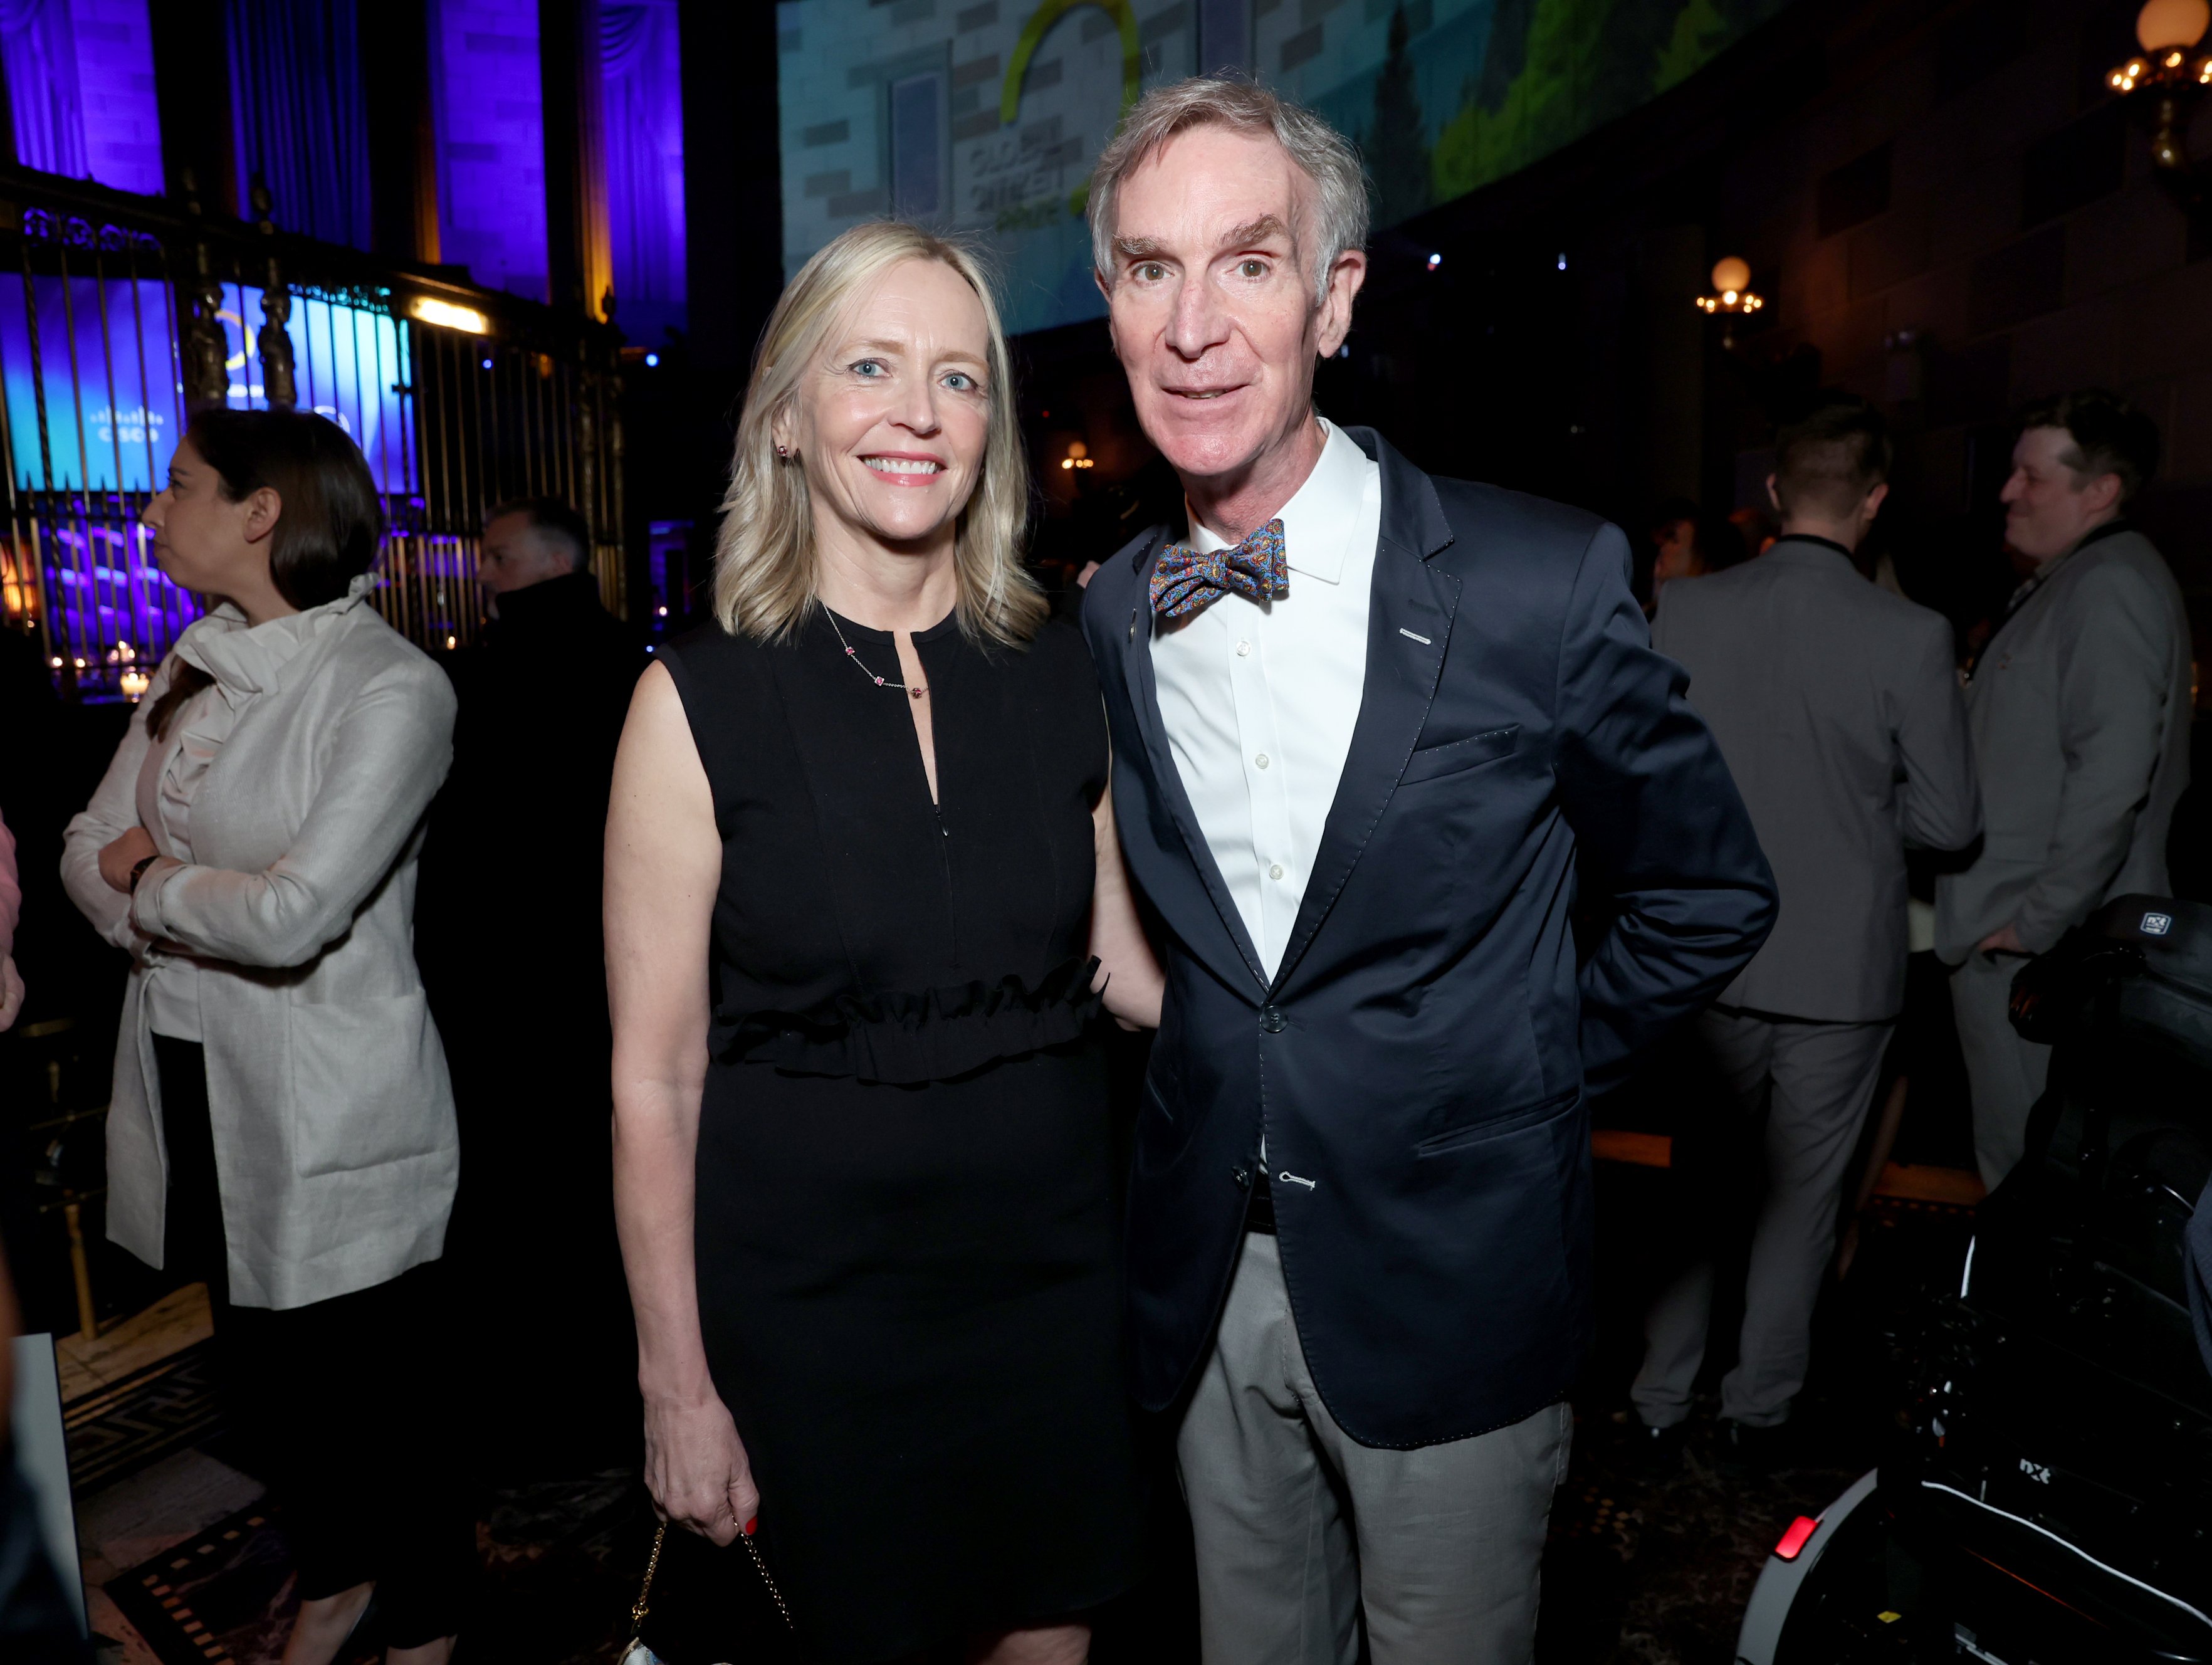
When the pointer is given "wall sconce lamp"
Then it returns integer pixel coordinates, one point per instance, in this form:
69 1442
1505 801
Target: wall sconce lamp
1732 297
2171 74
1078 455
447 316
1732 282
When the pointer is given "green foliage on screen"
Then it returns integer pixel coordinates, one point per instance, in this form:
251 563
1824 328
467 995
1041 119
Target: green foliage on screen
1580 64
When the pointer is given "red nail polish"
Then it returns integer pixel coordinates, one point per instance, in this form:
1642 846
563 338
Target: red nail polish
751 1526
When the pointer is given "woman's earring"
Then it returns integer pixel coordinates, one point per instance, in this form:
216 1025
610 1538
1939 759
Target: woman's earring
782 450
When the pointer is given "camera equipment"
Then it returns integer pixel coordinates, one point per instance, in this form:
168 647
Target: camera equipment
2051 1503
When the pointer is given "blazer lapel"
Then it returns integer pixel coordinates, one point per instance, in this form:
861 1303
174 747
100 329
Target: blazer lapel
1144 700
1408 628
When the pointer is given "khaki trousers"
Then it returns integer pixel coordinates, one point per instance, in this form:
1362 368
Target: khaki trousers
1305 1537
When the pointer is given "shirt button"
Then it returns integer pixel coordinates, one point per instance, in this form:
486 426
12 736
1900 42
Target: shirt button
1275 870
1271 1019
1244 650
1261 760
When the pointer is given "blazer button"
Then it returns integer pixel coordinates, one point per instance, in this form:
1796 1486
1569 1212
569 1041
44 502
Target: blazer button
1271 1019
1241 1175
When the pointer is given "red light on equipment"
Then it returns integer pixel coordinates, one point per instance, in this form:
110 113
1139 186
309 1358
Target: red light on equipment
1794 1537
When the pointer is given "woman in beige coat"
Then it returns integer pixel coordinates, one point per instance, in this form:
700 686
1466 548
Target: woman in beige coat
282 1123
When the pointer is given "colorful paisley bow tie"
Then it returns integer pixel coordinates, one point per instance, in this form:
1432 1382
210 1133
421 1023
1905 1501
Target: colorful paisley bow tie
1188 580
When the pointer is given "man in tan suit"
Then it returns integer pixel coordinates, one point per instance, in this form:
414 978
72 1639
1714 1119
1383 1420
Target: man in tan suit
1835 704
2079 708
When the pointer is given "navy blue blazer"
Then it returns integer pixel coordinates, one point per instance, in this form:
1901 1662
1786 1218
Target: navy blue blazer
1423 1052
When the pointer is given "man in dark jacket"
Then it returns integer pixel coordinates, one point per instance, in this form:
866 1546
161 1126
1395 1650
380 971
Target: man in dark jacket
1365 722
508 932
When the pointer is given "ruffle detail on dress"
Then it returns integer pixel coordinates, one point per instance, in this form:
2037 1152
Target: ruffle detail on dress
904 1037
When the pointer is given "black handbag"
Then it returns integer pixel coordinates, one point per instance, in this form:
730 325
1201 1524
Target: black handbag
702 1618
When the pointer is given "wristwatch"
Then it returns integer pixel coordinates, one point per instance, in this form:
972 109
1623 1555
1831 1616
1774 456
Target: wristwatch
138 870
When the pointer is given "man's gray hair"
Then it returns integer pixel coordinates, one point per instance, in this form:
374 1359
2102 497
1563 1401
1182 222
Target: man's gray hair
555 522
1321 153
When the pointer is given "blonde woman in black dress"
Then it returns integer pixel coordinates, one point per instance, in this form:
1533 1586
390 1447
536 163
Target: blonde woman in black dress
863 901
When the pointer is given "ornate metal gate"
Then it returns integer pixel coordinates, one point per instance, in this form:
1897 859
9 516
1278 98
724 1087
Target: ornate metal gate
120 315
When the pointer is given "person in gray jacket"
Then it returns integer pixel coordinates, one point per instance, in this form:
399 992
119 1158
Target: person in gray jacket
1837 707
281 1124
2079 709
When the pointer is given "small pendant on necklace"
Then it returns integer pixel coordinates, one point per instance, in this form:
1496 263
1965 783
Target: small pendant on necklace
917 690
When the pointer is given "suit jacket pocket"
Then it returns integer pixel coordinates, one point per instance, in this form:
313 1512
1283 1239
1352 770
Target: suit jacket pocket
1158 1098
1496 1127
1457 757
364 1073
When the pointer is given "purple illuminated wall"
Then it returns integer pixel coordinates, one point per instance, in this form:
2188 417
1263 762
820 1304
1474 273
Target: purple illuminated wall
80 86
491 140
643 116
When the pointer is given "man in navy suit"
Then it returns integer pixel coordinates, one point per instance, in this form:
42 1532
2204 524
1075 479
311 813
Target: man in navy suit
1371 730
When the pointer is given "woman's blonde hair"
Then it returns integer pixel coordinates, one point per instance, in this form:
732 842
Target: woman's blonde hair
764 556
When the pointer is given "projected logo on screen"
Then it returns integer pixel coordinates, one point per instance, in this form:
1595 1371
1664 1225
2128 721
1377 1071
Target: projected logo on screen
98 406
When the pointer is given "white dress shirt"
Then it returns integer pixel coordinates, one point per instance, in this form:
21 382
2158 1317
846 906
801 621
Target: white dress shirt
1258 699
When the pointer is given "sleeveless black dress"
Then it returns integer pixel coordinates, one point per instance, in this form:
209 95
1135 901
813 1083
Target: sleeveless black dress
907 1240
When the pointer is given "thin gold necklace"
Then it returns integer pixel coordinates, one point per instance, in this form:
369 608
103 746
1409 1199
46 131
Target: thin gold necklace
915 688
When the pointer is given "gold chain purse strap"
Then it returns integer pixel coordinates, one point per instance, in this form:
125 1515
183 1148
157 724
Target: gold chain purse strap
637 1653
775 1594
638 1608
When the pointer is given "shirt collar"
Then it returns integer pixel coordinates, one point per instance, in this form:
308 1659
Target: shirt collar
1319 521
2097 534
248 659
1809 540
2043 575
